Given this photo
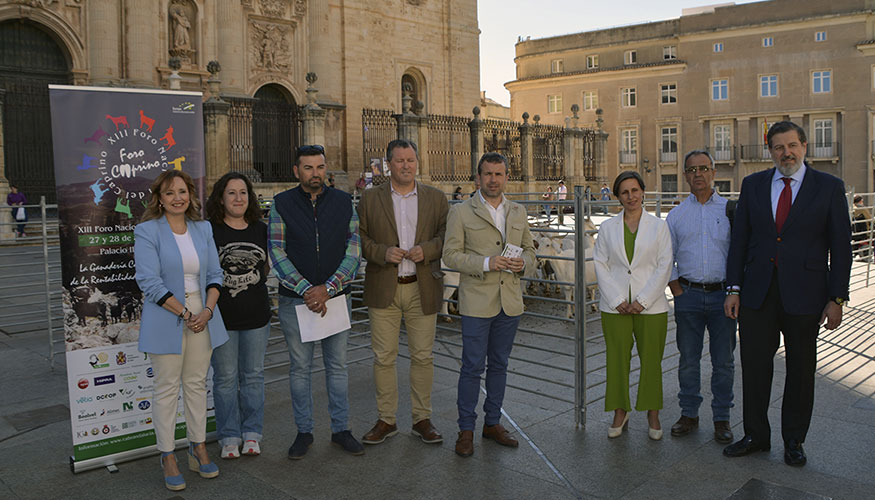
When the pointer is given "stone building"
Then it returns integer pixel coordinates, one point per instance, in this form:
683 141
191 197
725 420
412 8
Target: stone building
716 77
361 52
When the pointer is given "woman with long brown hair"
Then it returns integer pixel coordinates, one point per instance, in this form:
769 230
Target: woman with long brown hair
238 365
177 268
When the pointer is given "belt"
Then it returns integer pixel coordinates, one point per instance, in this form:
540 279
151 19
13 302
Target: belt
407 279
708 287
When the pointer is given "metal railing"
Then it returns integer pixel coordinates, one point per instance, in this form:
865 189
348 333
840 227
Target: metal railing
30 289
723 153
755 152
556 356
823 150
668 156
628 157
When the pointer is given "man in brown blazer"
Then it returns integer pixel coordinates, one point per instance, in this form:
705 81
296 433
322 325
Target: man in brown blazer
402 224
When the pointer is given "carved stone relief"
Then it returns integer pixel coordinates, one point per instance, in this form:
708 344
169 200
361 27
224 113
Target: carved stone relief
300 7
182 36
270 46
274 8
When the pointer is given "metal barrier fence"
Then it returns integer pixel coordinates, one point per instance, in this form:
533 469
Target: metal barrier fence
555 356
30 281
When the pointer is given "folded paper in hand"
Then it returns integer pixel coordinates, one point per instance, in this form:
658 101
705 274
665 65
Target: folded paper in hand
314 326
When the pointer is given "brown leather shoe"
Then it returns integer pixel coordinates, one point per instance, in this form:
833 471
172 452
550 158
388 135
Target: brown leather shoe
465 444
722 432
427 432
684 425
379 432
500 435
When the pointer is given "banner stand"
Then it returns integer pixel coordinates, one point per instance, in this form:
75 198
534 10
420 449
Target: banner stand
126 456
109 144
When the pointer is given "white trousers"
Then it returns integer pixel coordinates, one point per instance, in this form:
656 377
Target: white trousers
189 368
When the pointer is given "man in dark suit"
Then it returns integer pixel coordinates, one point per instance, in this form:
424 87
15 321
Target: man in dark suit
402 225
787 271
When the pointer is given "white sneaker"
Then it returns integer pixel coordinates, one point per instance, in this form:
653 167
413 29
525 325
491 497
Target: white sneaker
230 451
251 448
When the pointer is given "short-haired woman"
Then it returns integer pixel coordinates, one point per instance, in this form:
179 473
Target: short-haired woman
238 365
633 260
177 268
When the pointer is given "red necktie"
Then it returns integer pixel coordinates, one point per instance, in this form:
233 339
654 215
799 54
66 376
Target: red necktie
784 203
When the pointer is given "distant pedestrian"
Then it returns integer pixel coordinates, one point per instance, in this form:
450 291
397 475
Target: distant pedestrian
457 194
17 200
561 194
548 196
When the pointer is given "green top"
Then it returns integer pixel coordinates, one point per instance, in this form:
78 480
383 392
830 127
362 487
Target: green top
629 242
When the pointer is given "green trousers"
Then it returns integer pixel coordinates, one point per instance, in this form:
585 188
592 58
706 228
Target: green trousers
648 332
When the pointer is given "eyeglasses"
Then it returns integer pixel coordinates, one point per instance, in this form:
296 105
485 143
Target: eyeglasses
697 168
310 150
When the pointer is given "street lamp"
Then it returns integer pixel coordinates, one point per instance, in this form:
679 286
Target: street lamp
647 165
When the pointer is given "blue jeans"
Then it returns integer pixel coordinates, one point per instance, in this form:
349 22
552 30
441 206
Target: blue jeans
482 339
301 365
238 385
694 310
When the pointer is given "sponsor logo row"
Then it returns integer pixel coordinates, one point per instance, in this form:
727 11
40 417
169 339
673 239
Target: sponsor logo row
127 378
108 429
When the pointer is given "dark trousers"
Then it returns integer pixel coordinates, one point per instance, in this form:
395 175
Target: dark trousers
484 339
759 331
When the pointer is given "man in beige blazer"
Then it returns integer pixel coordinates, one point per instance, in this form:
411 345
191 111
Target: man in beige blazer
402 225
490 295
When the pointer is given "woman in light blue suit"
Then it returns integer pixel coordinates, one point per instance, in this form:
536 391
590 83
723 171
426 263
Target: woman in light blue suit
179 274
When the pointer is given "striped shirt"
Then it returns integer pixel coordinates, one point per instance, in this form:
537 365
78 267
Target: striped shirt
289 276
699 239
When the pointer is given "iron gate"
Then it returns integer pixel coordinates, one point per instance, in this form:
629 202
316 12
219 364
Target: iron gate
30 60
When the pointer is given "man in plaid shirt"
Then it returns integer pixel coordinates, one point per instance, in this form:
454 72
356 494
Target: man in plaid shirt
315 250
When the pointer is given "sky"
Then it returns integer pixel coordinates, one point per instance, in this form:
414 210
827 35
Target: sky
503 21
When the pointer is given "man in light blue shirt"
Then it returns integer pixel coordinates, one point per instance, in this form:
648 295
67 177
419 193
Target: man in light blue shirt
700 243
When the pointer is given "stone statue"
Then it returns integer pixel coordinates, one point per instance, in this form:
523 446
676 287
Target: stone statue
181 27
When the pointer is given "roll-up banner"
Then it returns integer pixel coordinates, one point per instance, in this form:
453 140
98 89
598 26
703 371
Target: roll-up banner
109 145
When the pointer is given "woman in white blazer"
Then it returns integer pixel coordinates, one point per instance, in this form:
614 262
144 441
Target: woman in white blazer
179 274
633 264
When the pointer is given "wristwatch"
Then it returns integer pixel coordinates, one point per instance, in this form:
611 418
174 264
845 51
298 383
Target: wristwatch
839 300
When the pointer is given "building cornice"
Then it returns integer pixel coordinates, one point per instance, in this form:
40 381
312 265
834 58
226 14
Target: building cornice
768 114
691 35
672 66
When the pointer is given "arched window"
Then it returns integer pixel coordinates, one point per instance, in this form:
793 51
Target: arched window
30 60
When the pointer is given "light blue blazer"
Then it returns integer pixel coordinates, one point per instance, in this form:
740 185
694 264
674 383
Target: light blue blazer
159 275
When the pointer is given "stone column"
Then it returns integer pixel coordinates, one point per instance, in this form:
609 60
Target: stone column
141 42
6 232
526 159
231 28
312 116
422 141
746 147
600 149
104 44
217 134
477 142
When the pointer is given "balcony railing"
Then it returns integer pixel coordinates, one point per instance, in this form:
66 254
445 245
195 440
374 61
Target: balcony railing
823 150
628 157
725 154
668 156
755 152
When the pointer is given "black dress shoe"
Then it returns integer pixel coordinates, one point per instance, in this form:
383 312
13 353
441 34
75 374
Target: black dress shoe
794 454
746 446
